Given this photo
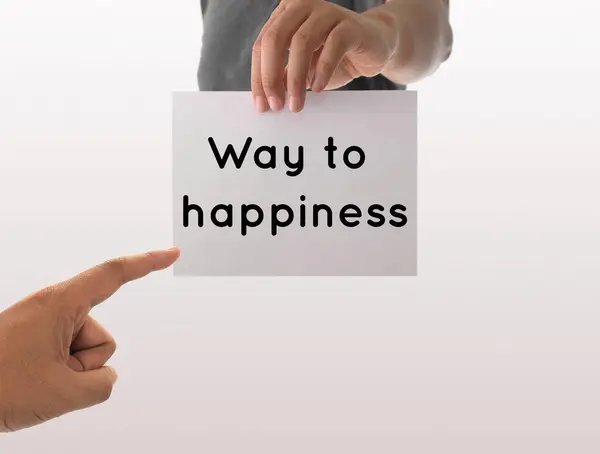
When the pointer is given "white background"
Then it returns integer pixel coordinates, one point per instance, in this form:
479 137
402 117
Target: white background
494 348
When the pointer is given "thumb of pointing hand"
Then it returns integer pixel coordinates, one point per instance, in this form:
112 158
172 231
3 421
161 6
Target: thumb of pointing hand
94 387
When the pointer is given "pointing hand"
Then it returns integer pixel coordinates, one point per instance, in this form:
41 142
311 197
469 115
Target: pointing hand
53 354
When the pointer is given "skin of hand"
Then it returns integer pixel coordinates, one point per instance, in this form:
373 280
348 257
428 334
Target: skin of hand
405 40
53 354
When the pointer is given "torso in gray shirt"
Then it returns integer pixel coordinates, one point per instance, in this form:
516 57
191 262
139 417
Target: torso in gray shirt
230 29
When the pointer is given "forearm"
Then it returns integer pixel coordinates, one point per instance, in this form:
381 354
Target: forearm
424 37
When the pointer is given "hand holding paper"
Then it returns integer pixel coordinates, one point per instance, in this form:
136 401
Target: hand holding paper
329 46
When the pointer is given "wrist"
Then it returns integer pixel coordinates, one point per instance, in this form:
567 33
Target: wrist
388 31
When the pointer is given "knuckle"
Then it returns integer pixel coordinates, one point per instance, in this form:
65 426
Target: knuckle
325 67
269 84
300 40
48 297
114 266
257 87
347 28
326 6
304 4
256 80
256 47
44 295
270 39
111 346
296 84
105 392
349 23
152 259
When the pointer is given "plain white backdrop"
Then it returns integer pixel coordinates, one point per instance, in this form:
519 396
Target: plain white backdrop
494 348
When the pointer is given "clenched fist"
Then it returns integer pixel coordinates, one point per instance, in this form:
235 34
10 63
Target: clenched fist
53 354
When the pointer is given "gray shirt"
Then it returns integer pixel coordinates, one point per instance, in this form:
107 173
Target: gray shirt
230 29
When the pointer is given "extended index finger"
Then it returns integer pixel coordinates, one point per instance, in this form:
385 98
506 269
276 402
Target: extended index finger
95 285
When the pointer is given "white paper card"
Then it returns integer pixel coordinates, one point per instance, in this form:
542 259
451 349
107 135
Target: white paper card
327 191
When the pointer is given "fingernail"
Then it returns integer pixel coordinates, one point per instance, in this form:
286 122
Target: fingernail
294 104
274 103
261 104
